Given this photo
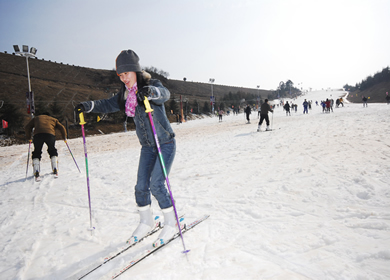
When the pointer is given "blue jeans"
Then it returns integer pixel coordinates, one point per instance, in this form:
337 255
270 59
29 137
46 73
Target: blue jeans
151 178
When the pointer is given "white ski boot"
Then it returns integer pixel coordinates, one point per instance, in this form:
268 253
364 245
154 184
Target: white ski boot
258 128
268 129
54 166
36 168
170 227
146 224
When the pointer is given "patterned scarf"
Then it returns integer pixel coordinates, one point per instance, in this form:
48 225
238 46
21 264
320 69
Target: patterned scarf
131 101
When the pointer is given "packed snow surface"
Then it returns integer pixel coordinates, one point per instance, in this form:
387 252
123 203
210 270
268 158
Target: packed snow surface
309 200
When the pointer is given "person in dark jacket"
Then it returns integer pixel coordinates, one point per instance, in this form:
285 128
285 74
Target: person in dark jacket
287 108
265 108
44 133
364 99
136 86
305 106
248 111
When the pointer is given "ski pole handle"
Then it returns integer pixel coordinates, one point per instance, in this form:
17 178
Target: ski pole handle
81 117
148 109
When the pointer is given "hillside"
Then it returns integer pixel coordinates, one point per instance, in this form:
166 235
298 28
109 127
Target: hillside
376 93
62 86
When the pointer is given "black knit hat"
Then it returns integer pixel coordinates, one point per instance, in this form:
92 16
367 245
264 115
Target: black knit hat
127 61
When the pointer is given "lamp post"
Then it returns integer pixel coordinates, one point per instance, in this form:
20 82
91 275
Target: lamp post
212 99
30 95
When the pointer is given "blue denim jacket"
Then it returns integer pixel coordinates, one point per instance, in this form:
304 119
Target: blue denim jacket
141 119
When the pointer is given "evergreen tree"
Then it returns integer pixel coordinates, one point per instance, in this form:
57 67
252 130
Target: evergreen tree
173 106
195 106
10 113
40 105
55 109
206 108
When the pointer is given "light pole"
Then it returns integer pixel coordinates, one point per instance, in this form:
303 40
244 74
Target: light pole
212 99
30 94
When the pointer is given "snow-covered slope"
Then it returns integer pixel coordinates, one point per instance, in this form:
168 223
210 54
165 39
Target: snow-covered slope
309 200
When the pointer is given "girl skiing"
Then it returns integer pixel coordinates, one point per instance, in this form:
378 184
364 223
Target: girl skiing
136 85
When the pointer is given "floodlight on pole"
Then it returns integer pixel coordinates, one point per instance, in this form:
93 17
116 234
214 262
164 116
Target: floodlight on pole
212 99
16 48
25 53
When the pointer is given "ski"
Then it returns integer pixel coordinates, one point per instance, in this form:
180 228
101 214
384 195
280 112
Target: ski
127 247
39 178
149 252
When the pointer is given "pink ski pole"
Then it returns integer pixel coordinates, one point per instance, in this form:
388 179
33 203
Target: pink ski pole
149 110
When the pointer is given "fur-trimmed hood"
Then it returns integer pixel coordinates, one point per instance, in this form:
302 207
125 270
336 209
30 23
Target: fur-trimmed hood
146 76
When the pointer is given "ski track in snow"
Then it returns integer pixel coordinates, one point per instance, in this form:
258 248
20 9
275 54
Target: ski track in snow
309 200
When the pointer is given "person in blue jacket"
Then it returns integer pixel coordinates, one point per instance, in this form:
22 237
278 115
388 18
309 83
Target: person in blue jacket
136 85
305 106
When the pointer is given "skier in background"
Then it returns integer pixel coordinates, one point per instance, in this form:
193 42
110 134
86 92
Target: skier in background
287 108
136 86
44 133
220 114
305 106
265 108
327 104
364 99
248 112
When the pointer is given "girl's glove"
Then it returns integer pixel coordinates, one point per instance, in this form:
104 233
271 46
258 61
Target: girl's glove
142 93
79 108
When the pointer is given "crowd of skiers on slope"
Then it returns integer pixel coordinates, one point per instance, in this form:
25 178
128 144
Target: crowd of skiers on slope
327 107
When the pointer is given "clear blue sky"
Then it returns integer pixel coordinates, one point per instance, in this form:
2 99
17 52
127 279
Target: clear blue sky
317 43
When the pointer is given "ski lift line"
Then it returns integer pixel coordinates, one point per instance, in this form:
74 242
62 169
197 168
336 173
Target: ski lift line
61 90
41 78
70 101
43 102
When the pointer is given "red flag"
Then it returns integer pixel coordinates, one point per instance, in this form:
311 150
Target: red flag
5 124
